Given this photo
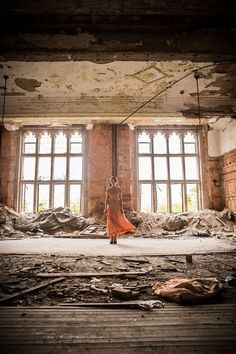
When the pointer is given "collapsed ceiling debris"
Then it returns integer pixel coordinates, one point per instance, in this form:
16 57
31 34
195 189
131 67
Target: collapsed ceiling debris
60 221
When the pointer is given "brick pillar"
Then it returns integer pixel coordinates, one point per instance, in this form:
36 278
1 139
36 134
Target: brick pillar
126 165
98 167
8 159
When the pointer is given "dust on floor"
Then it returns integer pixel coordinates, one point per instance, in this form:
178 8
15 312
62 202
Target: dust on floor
20 272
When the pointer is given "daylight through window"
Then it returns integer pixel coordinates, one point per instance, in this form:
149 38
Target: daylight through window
168 170
51 169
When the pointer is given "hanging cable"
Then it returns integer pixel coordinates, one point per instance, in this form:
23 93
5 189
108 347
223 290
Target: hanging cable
4 97
174 83
197 76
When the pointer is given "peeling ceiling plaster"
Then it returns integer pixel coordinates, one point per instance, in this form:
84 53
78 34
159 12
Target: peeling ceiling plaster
116 89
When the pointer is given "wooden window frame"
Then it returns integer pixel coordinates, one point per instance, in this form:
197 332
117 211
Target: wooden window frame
51 182
182 131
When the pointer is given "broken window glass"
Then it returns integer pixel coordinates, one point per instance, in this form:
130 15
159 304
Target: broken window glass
192 199
59 195
43 197
176 198
162 204
27 198
75 190
146 197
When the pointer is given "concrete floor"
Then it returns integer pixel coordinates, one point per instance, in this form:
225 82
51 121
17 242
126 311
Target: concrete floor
125 246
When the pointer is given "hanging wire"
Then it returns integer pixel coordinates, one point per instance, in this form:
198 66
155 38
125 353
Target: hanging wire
174 83
4 97
197 76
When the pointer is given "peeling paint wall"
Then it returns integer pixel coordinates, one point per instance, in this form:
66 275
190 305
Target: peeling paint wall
222 137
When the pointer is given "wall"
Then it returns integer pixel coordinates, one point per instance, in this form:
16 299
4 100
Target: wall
98 166
228 179
8 161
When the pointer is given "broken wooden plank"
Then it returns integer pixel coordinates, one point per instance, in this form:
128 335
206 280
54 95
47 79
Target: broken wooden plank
145 305
87 275
222 222
29 290
135 260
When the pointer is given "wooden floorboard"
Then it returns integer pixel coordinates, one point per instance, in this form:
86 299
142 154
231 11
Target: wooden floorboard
66 330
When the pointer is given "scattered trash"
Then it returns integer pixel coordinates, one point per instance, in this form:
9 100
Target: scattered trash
124 294
188 290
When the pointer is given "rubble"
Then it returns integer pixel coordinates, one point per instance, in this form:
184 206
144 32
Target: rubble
61 222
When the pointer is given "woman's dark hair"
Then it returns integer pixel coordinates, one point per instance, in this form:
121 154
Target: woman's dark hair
113 178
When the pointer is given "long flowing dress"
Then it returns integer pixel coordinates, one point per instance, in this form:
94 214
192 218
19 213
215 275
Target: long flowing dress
117 224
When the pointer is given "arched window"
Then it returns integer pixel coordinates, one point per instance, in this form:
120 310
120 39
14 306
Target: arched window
51 169
168 170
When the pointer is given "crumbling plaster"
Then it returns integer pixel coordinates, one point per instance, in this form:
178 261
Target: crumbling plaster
86 89
221 136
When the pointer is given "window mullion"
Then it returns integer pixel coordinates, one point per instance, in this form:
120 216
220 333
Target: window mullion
154 198
36 183
169 206
184 188
66 201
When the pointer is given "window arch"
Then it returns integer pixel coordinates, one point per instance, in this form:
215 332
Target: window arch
51 169
168 172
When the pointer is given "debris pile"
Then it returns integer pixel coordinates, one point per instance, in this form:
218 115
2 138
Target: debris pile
49 221
62 222
203 223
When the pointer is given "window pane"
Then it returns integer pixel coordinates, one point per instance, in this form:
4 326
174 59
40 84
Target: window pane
174 144
189 143
160 164
44 168
144 143
60 143
161 190
146 197
176 169
191 170
75 168
192 197
59 171
43 198
59 195
159 143
28 198
28 172
75 190
76 143
145 170
176 198
144 148
45 144
29 143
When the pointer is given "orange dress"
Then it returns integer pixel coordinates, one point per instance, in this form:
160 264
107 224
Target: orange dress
117 224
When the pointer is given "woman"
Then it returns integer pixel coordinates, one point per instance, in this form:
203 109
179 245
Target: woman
117 224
